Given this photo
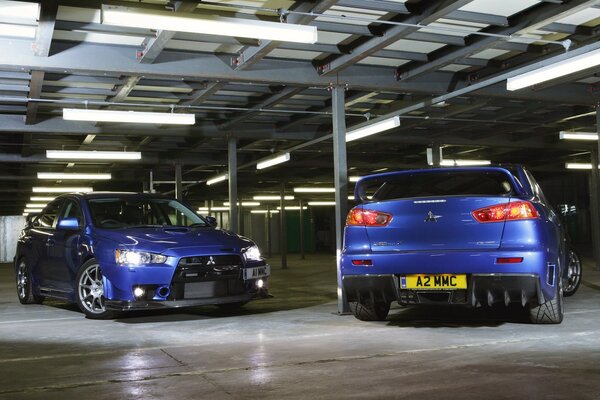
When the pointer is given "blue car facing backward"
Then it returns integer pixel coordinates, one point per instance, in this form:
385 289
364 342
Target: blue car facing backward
112 252
473 236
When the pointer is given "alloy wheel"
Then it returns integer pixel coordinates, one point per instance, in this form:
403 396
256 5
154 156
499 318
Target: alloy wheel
22 280
574 272
91 289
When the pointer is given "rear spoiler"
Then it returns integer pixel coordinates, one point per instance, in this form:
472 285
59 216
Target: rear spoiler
360 190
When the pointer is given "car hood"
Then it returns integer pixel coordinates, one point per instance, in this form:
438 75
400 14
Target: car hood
177 241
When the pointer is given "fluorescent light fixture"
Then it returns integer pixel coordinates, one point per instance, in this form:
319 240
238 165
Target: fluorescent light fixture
373 128
203 209
207 24
93 155
272 198
245 204
264 211
37 198
555 70
354 178
293 208
321 203
563 135
25 214
219 209
313 190
32 210
216 179
273 161
138 117
74 176
463 163
35 205
62 189
579 166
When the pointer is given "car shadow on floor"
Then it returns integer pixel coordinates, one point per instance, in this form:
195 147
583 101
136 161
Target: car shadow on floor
429 316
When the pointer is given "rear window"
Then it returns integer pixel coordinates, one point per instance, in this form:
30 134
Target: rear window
465 183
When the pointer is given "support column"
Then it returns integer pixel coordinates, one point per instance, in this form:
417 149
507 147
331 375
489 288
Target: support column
232 173
283 229
340 169
595 196
151 181
301 203
178 184
268 231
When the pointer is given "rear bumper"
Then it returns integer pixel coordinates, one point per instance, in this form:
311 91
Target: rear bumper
482 289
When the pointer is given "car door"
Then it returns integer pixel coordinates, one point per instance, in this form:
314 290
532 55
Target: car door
63 248
42 234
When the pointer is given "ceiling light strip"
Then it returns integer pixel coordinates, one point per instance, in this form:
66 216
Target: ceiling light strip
207 24
93 155
73 176
138 117
373 128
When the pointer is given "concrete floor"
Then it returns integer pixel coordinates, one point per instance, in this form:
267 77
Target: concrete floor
295 346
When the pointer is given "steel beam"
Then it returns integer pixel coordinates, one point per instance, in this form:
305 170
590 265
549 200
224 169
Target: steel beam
252 54
155 45
233 183
530 20
340 172
436 9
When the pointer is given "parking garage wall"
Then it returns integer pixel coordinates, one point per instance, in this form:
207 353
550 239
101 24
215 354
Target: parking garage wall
10 228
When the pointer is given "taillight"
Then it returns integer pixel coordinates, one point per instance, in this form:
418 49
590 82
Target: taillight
358 216
511 211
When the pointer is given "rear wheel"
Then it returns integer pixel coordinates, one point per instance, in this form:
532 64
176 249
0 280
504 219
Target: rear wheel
574 273
90 291
25 284
368 309
551 312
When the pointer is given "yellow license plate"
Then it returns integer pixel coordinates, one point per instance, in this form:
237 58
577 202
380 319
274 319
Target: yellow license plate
433 282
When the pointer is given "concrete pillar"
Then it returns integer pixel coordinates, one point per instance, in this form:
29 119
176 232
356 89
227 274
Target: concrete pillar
340 169
301 203
178 184
233 195
283 229
595 196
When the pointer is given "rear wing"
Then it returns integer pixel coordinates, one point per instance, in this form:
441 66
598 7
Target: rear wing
369 184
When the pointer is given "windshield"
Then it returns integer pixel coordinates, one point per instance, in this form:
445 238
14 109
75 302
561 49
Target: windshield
127 212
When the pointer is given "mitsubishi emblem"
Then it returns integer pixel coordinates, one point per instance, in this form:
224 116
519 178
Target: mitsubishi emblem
431 217
211 261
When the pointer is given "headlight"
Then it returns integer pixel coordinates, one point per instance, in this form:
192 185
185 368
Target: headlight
252 254
129 257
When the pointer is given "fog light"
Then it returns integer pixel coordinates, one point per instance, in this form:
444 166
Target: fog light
260 283
138 292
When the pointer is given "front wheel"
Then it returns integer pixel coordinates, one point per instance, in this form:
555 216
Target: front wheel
552 311
369 309
90 291
574 273
25 284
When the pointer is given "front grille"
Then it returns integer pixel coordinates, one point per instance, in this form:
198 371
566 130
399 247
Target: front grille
207 276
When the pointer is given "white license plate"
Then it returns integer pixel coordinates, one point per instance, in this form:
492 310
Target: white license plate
257 272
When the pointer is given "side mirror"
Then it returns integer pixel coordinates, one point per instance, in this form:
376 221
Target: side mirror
30 219
69 224
211 220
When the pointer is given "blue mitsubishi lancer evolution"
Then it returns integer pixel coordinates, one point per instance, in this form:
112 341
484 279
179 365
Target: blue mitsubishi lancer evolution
111 252
474 236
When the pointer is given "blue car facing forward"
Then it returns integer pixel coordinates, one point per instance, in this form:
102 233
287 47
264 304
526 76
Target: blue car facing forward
473 236
111 252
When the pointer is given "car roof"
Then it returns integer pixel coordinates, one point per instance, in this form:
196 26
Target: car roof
105 195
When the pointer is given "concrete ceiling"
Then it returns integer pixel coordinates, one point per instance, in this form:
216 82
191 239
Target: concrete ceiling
394 58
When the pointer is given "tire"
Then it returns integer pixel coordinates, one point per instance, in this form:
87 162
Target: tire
574 274
90 291
370 310
552 311
25 284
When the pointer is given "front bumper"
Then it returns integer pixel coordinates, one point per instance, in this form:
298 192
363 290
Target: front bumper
124 305
482 289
